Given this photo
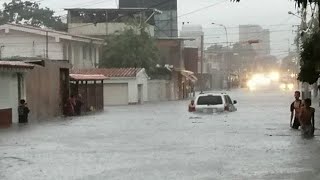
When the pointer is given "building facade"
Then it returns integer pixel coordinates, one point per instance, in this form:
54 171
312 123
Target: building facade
123 86
101 22
47 88
166 23
30 42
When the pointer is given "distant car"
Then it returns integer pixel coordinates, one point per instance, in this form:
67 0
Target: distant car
211 102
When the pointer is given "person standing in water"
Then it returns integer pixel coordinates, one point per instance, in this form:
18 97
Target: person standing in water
295 109
307 118
192 106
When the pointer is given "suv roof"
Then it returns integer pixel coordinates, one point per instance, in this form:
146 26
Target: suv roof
213 94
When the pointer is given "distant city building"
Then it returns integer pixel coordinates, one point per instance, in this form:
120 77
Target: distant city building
192 31
195 32
256 32
166 23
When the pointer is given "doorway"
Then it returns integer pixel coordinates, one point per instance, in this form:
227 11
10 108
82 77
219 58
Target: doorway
64 87
140 93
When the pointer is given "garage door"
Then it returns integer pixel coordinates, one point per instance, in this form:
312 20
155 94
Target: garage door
116 94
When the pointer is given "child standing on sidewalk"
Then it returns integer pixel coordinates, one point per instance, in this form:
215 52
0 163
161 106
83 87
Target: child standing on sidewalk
307 118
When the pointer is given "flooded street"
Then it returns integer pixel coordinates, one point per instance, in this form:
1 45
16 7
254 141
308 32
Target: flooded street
163 141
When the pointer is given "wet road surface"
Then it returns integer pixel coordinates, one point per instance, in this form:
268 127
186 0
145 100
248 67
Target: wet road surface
163 141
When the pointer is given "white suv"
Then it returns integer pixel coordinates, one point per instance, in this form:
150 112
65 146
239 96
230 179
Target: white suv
215 103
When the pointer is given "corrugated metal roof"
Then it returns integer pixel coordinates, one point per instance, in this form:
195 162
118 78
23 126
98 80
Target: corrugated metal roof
15 64
85 77
110 72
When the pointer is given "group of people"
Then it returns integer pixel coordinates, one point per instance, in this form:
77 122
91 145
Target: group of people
73 106
302 115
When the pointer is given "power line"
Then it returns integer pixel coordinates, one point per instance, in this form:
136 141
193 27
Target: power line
237 27
203 8
82 4
214 35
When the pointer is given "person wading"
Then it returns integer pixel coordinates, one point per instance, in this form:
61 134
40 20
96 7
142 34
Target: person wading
307 119
192 106
295 109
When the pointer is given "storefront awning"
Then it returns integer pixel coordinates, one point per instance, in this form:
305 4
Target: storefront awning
85 77
189 75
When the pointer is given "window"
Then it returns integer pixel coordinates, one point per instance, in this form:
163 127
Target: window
84 52
210 100
228 99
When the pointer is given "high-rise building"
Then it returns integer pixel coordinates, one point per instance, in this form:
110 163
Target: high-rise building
166 23
256 32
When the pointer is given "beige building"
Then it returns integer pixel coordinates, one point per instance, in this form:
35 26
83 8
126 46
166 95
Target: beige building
102 22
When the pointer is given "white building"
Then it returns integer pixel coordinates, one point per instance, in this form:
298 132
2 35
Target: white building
27 41
12 89
124 85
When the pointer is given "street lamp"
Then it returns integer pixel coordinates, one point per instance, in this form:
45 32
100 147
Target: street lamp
225 28
226 68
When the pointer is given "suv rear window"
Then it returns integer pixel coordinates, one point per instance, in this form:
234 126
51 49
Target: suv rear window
209 100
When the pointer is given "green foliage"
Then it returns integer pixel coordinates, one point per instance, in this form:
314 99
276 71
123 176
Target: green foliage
30 13
133 47
310 58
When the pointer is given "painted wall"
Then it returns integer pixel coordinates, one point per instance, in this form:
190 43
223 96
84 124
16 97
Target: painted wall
43 90
158 90
100 29
9 93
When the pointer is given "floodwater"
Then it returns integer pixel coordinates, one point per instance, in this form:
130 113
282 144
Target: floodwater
164 141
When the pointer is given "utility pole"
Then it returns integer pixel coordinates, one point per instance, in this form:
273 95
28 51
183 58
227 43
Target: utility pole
47 45
201 59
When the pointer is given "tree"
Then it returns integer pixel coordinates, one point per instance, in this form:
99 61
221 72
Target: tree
30 13
133 47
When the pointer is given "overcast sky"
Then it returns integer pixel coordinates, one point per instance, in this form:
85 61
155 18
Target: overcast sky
270 14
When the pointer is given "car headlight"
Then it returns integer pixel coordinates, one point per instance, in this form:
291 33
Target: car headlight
283 86
290 86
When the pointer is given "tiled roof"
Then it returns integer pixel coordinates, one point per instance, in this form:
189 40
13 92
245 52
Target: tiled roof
85 77
110 72
15 64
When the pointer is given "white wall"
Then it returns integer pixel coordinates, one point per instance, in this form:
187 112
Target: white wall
158 90
78 60
133 87
9 93
17 43
142 78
